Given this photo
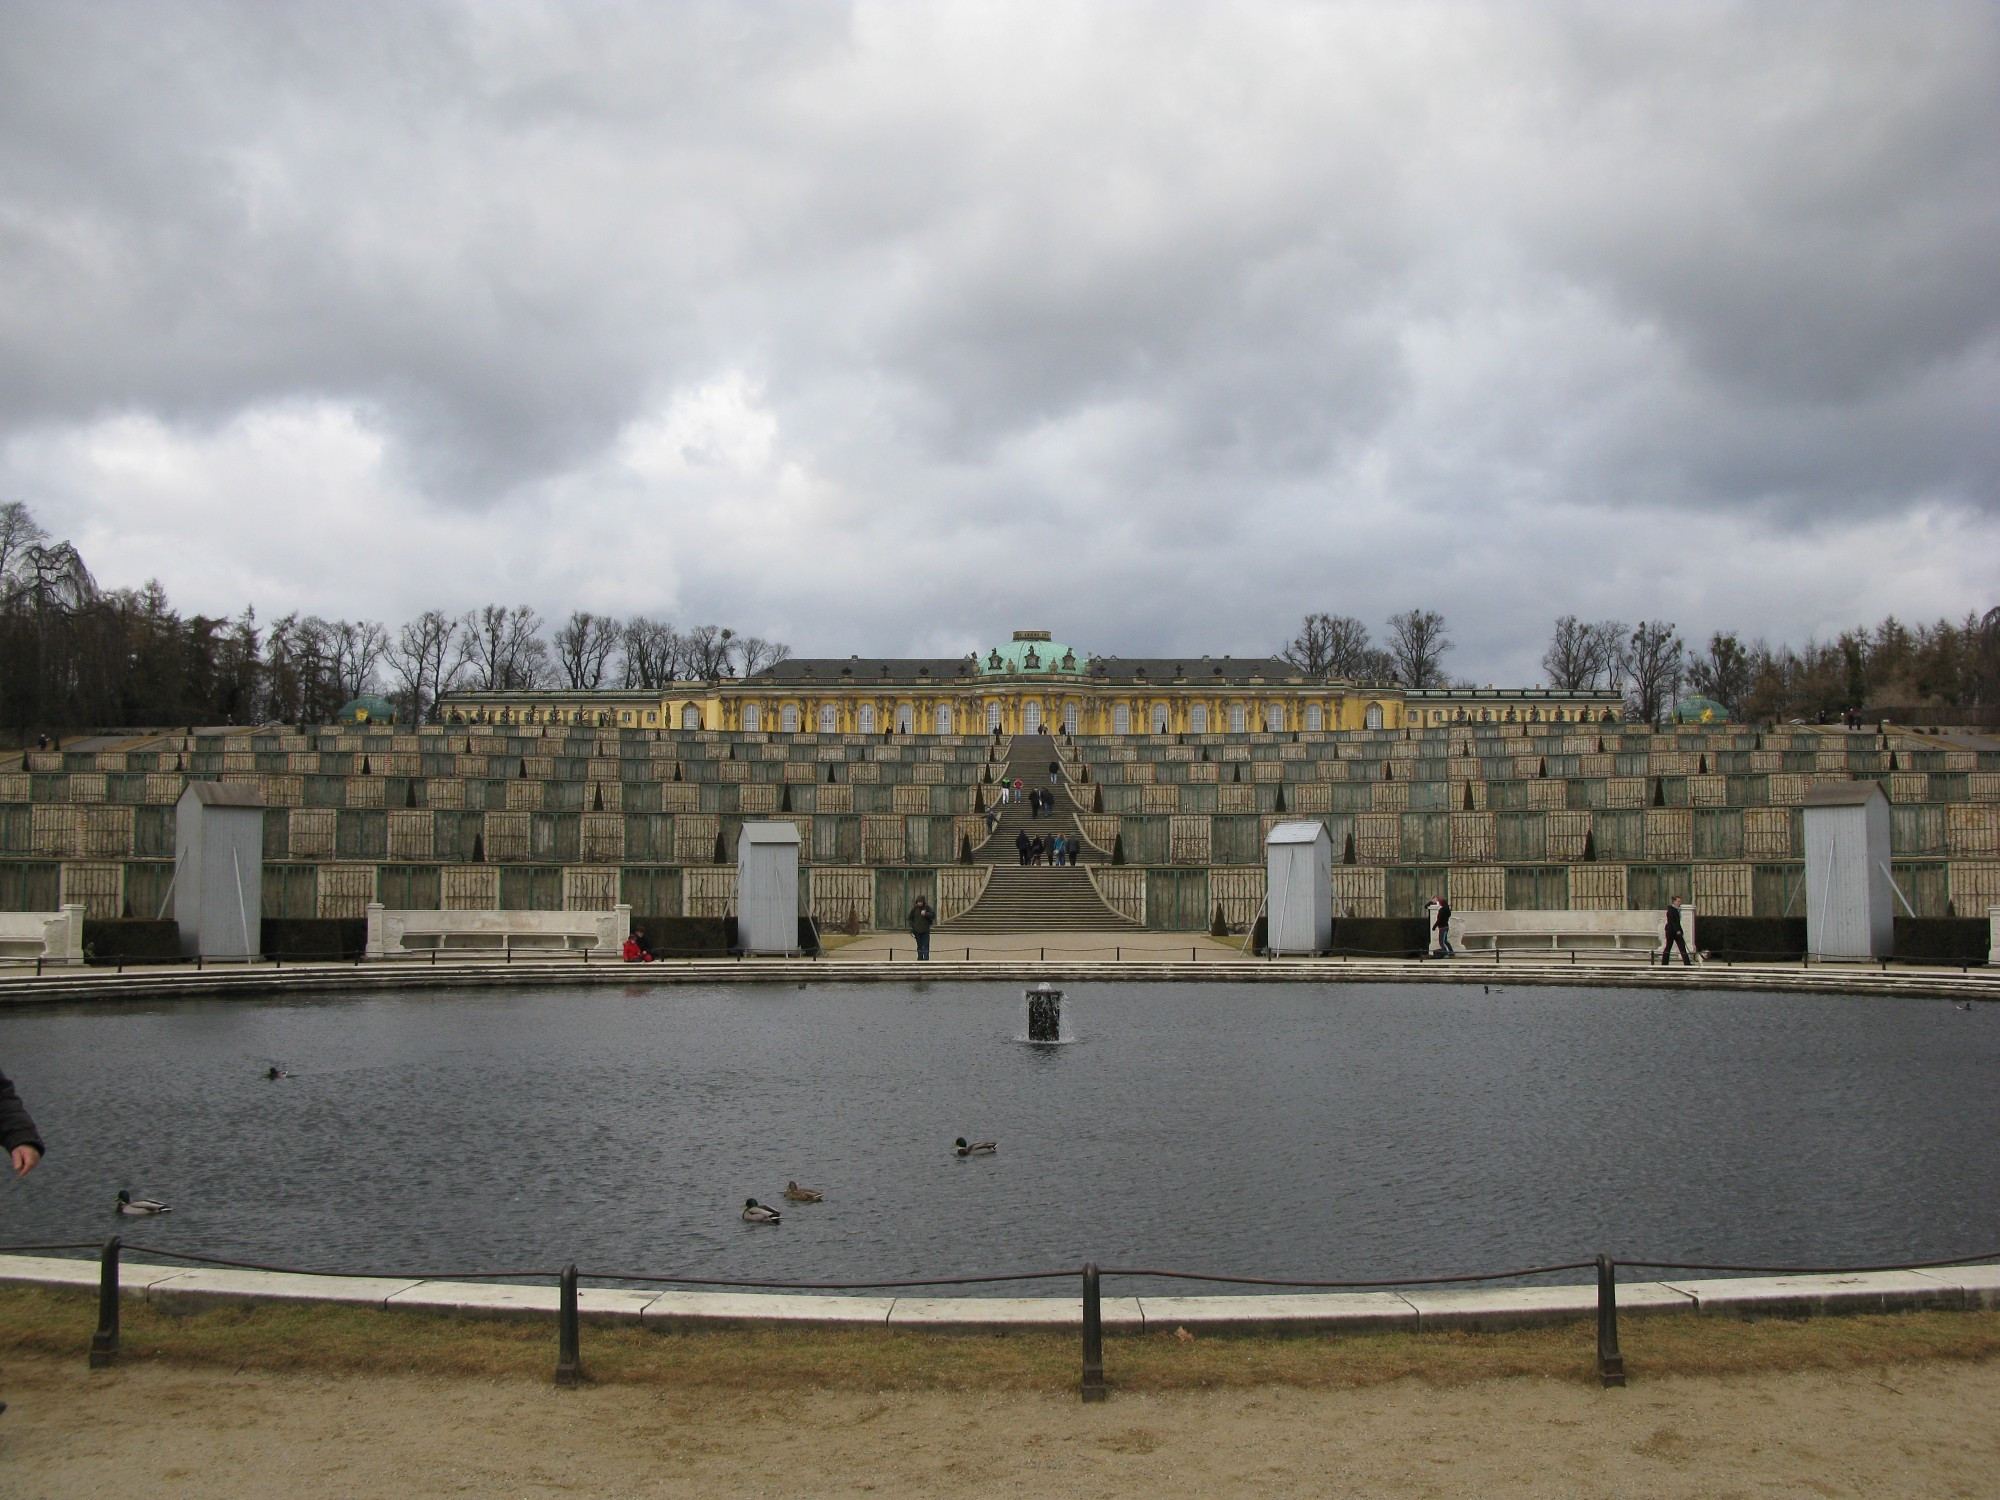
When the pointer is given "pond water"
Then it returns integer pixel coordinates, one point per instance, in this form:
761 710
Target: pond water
1303 1130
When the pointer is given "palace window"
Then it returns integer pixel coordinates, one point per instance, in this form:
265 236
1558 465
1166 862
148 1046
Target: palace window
1315 716
993 715
1159 718
864 721
1198 719
1121 719
753 718
1274 718
1374 716
1069 718
1031 716
906 719
829 719
943 718
690 717
788 718
1237 720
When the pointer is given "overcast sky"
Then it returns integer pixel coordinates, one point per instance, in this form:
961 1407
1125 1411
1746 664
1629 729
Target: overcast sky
888 328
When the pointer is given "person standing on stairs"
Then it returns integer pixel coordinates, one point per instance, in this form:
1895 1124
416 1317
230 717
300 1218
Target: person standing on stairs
1021 843
921 920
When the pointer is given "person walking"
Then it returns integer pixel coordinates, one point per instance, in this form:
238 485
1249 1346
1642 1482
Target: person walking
1055 849
922 919
1442 925
18 1136
1675 937
1055 772
1021 843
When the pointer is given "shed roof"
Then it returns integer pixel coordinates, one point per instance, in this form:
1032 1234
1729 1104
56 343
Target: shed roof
1843 794
771 833
224 794
1297 833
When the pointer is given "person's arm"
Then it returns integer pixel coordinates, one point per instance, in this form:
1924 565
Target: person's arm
17 1131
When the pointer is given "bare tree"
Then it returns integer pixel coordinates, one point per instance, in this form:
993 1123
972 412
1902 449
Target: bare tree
754 654
649 652
1417 644
1329 646
1656 659
1580 654
428 658
358 648
505 651
18 532
706 652
584 645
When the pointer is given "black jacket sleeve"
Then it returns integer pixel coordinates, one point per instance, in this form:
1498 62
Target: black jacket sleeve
16 1127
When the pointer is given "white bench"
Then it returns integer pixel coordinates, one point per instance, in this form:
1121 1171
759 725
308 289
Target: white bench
54 937
470 934
1597 934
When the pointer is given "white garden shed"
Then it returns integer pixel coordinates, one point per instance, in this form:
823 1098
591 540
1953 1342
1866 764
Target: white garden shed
1298 902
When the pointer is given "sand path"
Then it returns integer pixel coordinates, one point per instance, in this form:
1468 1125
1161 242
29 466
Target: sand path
1931 1430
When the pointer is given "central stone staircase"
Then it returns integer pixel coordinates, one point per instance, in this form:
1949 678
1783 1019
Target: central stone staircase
1037 898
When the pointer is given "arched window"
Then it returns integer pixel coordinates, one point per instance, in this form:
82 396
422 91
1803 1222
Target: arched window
1374 717
943 718
753 718
992 715
829 718
1274 718
906 719
1237 719
1069 718
1121 719
788 718
1198 719
1031 716
690 717
1315 717
1159 718
865 720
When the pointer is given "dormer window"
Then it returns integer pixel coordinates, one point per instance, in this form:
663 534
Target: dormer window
847 671
1069 661
923 671
993 662
1031 661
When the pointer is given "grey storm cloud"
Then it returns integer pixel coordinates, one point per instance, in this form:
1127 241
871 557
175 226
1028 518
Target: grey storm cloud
869 318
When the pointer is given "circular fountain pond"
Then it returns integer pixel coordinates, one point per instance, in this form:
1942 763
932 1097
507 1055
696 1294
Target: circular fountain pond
1335 1131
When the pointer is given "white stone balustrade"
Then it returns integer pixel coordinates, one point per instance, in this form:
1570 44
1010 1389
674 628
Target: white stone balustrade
54 937
468 934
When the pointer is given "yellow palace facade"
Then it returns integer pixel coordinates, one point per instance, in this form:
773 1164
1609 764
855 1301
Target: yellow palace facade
1030 684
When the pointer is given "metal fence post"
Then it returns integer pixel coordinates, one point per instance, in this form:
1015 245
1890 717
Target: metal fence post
569 1359
104 1342
1610 1363
1093 1335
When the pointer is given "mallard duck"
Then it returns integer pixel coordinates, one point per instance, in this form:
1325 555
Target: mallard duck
756 1213
963 1147
127 1204
276 1072
796 1194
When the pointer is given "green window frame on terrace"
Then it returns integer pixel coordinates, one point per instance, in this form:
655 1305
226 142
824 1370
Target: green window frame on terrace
457 835
1778 890
1650 887
291 892
836 839
1718 833
1177 901
531 888
33 886
1918 829
1585 794
1618 833
1926 887
1537 888
896 891
1521 837
326 791
1427 837
1405 890
17 828
147 888
652 891
361 833
408 887
556 836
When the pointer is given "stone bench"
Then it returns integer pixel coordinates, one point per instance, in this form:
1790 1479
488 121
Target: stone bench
1629 935
469 934
54 937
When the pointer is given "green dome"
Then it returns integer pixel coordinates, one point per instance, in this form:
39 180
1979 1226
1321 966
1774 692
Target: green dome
367 709
1031 651
1700 710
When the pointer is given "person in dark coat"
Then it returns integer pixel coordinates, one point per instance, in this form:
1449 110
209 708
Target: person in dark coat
921 919
23 1143
1021 843
1441 924
1675 937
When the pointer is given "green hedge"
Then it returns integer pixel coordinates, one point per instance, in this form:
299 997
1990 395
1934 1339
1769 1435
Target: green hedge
314 937
131 941
1944 940
1751 939
703 937
1380 937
